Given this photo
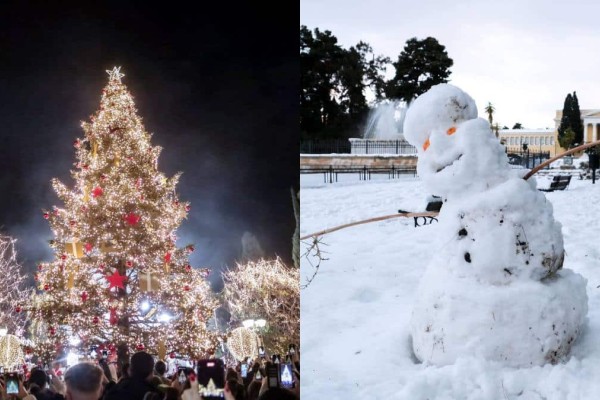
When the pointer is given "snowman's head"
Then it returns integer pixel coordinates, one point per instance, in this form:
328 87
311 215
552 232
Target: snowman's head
456 150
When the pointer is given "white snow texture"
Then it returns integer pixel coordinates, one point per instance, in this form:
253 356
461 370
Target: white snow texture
495 287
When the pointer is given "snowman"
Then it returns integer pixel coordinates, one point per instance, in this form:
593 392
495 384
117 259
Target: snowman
496 287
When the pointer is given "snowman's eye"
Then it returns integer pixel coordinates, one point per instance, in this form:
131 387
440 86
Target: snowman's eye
451 130
426 144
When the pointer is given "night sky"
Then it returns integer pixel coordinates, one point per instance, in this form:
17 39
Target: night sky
217 88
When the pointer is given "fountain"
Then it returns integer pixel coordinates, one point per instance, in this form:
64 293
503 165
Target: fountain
383 131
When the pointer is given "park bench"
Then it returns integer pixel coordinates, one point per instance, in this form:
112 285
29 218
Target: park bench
559 182
434 204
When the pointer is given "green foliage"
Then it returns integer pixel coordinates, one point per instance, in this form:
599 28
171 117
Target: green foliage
567 139
570 130
421 65
333 84
576 122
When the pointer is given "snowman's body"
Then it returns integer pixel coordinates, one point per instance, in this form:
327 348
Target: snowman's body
496 287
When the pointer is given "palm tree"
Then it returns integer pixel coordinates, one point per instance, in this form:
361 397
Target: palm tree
489 109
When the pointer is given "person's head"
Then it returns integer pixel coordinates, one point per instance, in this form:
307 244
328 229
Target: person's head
38 377
232 375
237 389
142 365
83 381
160 368
278 394
254 389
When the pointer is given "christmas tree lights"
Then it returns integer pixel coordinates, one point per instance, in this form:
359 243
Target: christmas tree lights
13 292
270 290
115 246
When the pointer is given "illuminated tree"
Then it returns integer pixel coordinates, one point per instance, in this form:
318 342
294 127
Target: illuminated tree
117 276
13 292
270 290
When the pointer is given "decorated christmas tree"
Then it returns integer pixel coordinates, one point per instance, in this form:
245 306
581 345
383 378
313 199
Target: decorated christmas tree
118 277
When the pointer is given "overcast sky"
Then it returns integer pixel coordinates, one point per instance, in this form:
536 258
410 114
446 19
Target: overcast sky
522 56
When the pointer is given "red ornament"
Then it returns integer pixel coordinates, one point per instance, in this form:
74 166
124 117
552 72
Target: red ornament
63 257
186 288
116 280
18 309
168 257
129 264
111 348
85 166
176 203
40 267
188 207
190 248
72 223
139 347
172 355
95 320
97 192
28 350
88 247
46 287
84 296
101 267
113 316
77 143
132 219
188 268
46 215
52 330
103 177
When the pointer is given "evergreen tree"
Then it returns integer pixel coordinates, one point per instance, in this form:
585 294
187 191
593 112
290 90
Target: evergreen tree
117 278
421 65
564 140
576 123
517 126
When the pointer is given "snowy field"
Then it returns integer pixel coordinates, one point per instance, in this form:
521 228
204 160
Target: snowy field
355 315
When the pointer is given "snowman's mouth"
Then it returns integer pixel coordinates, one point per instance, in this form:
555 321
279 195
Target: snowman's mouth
449 164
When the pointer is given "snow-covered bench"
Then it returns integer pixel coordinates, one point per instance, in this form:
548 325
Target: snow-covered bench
434 204
559 182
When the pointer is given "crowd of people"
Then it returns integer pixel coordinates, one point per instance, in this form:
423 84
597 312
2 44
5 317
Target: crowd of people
146 379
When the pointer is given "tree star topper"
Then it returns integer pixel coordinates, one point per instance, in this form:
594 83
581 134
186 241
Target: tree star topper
115 74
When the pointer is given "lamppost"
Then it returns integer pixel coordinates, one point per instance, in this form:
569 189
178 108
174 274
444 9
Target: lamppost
255 325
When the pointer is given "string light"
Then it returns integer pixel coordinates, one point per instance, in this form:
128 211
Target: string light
13 292
267 289
242 342
119 219
11 353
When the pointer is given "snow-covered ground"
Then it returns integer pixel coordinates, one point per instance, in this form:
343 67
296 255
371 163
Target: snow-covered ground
355 314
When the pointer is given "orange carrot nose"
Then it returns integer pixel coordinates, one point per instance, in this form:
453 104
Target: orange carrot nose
451 130
426 144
